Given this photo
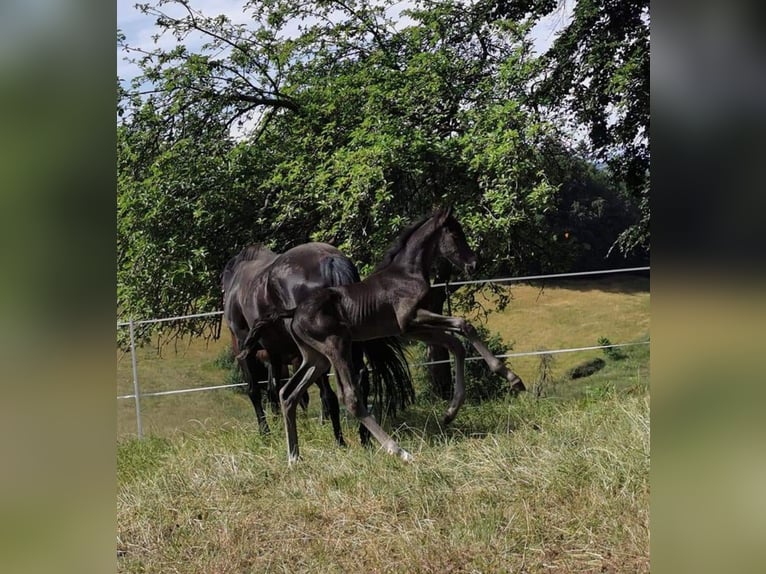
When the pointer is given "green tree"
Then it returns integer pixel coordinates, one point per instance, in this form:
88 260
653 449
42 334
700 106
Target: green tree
598 70
180 202
360 126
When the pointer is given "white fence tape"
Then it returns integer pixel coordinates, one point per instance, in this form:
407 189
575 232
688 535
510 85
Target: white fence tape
166 319
451 283
544 352
540 277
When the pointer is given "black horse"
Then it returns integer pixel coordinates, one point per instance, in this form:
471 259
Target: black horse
258 283
388 303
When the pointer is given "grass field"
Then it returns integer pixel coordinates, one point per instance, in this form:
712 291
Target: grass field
572 314
552 484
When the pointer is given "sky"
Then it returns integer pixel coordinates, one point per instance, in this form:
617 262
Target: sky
138 28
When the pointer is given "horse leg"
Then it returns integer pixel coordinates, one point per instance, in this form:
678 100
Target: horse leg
247 365
439 337
318 328
304 401
331 406
424 318
362 383
364 391
337 350
311 368
273 385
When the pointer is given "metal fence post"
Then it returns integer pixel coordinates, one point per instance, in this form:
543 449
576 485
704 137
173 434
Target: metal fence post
136 389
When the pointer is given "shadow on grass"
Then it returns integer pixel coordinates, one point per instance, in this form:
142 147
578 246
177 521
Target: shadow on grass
423 421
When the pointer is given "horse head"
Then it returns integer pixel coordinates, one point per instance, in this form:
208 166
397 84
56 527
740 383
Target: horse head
451 242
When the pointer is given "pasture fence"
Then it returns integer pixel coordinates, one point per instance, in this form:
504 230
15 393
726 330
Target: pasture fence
131 324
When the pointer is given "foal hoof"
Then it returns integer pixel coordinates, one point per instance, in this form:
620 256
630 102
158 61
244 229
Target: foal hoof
449 416
517 386
405 456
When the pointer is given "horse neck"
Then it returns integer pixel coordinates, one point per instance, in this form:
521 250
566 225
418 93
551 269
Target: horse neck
419 252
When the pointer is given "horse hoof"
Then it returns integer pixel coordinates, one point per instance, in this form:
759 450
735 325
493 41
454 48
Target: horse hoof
393 448
448 417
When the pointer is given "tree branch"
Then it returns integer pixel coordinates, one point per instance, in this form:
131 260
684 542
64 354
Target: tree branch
266 101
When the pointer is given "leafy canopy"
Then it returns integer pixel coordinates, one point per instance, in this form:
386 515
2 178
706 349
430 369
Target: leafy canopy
342 122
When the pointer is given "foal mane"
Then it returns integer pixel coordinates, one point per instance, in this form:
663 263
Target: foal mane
401 241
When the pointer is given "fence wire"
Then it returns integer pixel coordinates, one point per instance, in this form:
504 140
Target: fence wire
137 395
476 358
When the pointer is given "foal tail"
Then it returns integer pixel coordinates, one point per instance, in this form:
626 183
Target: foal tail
391 386
251 341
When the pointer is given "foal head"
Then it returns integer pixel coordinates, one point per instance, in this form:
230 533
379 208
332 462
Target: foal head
452 244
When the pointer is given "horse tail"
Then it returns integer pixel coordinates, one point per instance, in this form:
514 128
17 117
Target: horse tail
391 386
337 270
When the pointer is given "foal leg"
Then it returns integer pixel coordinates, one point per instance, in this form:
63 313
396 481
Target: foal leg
330 403
424 318
439 337
274 384
337 349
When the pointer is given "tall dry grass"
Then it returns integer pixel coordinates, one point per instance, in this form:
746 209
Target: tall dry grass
556 486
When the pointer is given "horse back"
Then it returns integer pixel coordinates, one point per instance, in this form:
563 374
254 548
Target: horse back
300 271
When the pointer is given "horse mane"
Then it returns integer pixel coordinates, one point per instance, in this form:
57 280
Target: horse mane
248 253
251 252
398 244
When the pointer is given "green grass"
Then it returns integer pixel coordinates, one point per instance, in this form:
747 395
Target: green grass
191 364
543 485
552 483
571 314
